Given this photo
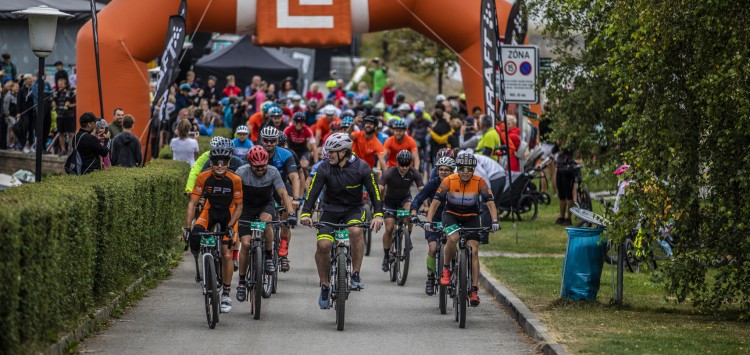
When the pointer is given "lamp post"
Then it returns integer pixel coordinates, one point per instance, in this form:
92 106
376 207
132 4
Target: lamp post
42 32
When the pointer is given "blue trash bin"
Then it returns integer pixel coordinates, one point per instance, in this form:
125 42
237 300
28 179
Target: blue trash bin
582 267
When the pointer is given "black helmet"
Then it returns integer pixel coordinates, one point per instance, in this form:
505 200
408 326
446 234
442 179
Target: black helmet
299 116
372 119
282 139
404 158
466 159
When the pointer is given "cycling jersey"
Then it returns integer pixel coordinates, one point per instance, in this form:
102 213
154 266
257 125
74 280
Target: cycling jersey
463 199
428 193
343 187
366 148
397 186
393 146
220 192
241 148
283 160
324 126
297 140
258 190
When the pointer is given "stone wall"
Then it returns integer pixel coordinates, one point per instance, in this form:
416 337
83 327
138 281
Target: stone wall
11 161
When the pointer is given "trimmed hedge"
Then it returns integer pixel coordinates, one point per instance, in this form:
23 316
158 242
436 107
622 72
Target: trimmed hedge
203 141
72 242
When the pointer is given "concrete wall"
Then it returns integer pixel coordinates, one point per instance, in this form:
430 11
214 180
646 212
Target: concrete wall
11 161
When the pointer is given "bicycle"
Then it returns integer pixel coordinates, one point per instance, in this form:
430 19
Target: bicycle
581 194
255 269
340 267
400 248
439 289
271 285
210 255
368 218
461 281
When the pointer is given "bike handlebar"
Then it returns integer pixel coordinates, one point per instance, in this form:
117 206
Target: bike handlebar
246 222
341 225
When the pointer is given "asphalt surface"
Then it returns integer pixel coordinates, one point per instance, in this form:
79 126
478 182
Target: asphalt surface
382 318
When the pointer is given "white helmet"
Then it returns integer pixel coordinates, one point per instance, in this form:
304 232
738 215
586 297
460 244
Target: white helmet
337 142
419 105
404 107
440 98
215 141
446 161
242 129
329 110
269 132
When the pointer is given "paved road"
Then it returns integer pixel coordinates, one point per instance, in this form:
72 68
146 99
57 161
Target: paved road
383 318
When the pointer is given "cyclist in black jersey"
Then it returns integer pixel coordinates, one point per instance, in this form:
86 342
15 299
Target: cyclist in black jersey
343 179
395 185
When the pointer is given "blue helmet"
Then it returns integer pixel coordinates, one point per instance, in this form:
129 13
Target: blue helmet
275 111
399 123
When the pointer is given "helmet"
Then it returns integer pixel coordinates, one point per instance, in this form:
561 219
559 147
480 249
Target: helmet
257 156
371 118
269 132
398 123
446 161
400 97
335 125
404 107
215 141
622 169
337 142
347 121
242 129
275 111
265 106
299 116
466 159
444 152
440 98
296 98
282 139
223 149
404 158
185 87
329 110
347 113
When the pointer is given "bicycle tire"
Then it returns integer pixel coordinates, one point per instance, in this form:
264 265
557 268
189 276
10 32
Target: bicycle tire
442 294
403 257
212 292
341 290
258 278
528 203
631 261
584 200
463 289
545 198
394 258
368 232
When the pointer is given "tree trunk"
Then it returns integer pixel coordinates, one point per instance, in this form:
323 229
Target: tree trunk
440 79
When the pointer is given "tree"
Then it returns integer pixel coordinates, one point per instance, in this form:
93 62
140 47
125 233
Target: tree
420 54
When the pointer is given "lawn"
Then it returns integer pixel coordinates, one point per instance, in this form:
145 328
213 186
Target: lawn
648 323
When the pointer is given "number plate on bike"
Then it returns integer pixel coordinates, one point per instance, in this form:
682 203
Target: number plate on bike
342 234
208 241
450 229
258 226
402 213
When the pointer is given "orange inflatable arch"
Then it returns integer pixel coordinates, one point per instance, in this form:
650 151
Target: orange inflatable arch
132 33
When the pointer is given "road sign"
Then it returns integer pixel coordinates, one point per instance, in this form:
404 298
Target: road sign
520 68
545 63
528 113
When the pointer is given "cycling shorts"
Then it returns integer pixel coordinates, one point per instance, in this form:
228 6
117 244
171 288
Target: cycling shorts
389 210
355 215
450 219
210 217
253 214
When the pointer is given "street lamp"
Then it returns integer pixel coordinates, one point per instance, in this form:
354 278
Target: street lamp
42 32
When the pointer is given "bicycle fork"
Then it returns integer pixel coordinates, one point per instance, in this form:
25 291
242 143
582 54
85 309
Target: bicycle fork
334 277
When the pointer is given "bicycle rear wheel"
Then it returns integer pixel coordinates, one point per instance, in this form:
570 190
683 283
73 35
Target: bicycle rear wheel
583 198
442 294
212 292
257 292
395 250
403 256
342 292
463 288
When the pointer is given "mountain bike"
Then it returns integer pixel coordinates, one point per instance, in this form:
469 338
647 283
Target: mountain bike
439 289
210 256
271 281
400 248
340 267
258 281
460 265
368 218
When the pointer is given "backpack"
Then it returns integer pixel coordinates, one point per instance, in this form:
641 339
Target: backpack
74 163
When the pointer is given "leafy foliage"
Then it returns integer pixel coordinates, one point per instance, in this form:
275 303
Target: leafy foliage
420 54
673 81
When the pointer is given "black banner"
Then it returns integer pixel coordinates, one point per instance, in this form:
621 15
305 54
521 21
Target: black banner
95 26
515 30
489 56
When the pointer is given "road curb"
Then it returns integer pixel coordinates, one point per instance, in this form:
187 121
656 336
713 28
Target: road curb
90 325
521 314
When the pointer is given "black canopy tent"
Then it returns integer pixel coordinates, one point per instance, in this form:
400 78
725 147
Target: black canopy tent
243 60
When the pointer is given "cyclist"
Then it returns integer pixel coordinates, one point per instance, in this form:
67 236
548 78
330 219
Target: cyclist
302 140
366 143
400 141
259 180
256 120
461 193
445 166
335 128
323 126
394 185
198 166
241 144
275 120
223 192
343 176
283 160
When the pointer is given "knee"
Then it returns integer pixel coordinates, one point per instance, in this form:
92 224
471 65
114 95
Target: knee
324 246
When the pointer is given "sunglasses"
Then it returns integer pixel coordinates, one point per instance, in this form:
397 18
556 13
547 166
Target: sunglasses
445 170
464 169
219 162
259 167
271 141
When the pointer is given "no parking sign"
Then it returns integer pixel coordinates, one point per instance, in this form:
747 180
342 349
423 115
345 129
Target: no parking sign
520 68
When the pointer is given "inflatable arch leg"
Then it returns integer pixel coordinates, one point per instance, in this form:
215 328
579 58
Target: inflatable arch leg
132 33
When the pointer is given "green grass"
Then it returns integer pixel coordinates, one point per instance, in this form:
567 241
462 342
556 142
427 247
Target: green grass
647 323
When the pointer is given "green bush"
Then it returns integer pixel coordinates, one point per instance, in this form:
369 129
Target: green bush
203 141
72 242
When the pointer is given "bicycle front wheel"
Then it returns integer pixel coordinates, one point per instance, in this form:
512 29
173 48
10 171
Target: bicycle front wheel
258 281
212 292
442 294
403 256
463 288
342 291
368 232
